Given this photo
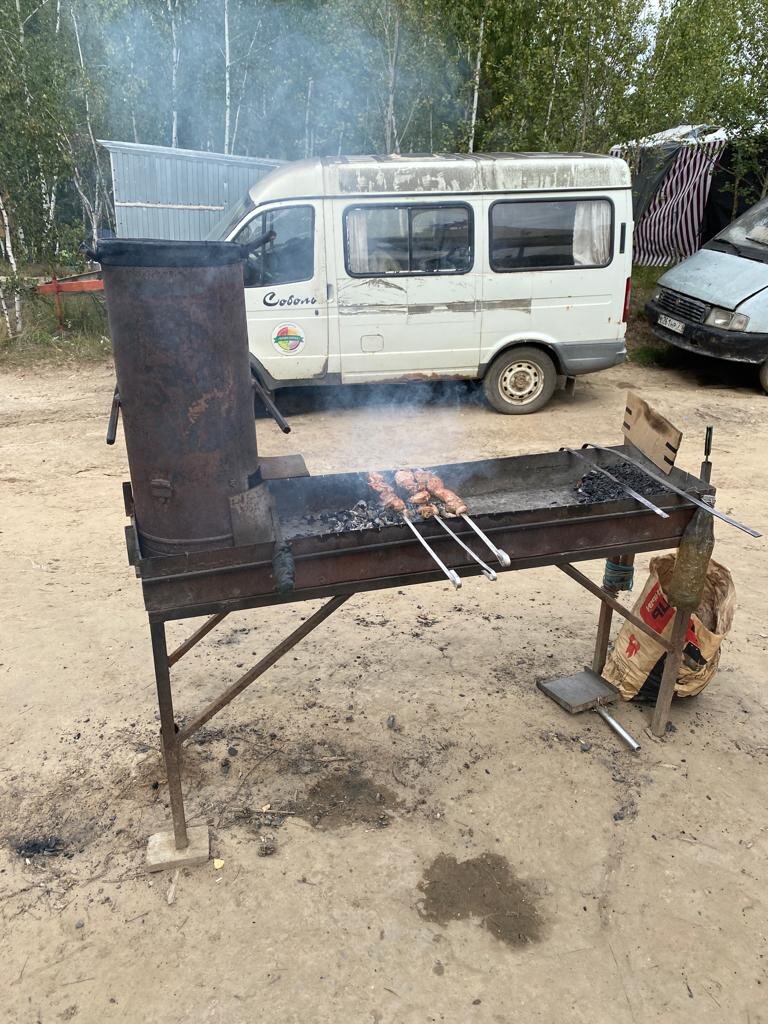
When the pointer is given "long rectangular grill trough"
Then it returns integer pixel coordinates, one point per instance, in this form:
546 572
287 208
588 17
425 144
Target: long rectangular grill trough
527 505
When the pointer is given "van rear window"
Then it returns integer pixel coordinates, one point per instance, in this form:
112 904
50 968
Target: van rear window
384 240
549 234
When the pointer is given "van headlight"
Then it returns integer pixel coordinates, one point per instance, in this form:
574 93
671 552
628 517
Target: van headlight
726 320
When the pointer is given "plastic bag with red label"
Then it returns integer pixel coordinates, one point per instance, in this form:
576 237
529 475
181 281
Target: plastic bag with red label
637 661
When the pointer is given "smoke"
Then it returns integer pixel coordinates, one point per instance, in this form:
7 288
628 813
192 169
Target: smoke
277 80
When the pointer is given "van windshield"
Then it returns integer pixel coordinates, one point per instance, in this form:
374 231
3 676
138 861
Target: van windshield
230 219
747 236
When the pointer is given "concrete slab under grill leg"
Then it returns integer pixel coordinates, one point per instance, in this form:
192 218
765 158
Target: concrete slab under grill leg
162 852
579 692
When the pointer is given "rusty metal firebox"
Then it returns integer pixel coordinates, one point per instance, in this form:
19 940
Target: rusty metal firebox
214 529
180 341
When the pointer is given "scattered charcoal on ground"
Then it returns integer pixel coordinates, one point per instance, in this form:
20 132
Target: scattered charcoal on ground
595 486
50 846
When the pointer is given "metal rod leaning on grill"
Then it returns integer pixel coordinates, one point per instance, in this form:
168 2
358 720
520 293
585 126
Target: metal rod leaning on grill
619 483
668 486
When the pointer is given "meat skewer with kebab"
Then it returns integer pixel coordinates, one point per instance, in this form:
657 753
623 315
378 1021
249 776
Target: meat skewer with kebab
455 506
389 499
421 486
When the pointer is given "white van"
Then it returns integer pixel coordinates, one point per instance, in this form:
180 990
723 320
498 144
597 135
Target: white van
506 268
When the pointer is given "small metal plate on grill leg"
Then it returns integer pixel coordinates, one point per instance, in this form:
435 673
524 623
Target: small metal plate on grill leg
579 692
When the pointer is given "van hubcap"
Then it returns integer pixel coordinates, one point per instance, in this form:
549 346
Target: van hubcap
521 382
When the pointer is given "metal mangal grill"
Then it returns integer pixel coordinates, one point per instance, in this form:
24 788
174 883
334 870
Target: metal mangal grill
683 305
216 528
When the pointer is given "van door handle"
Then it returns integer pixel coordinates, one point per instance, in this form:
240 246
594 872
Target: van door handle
329 292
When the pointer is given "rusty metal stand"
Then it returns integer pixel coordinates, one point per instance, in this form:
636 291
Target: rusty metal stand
605 620
190 846
673 647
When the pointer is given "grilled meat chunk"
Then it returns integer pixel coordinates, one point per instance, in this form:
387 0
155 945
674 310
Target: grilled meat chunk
387 496
437 489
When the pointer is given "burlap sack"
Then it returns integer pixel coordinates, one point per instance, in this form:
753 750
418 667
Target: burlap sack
637 661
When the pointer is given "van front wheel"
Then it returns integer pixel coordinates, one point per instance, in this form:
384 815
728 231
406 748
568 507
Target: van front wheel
520 381
764 376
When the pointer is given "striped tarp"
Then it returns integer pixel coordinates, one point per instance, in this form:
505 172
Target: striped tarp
670 229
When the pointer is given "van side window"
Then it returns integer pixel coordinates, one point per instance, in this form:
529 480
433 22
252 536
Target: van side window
420 239
290 256
549 234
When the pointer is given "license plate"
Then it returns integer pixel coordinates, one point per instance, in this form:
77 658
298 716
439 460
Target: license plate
672 325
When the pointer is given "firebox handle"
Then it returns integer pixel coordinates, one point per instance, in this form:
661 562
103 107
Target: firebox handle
114 412
269 405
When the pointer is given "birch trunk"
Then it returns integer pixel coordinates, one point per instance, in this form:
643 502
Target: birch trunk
555 77
476 86
306 119
227 79
391 140
101 192
175 58
10 255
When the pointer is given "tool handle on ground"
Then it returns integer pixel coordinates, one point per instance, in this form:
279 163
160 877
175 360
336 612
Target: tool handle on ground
617 728
114 412
270 406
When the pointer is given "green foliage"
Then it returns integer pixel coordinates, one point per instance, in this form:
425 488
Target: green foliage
85 336
317 77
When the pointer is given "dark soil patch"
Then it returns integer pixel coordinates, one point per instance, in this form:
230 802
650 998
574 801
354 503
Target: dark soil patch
346 799
49 846
483 887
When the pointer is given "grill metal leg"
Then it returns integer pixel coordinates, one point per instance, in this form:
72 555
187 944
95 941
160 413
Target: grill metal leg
605 620
171 745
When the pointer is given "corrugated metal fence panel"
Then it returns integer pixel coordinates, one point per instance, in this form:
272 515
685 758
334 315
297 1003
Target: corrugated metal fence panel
176 193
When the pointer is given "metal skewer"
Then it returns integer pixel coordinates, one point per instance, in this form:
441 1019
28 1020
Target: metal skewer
619 483
664 481
452 576
501 556
485 569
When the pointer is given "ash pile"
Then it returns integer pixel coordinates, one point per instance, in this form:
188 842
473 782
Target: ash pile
363 515
595 486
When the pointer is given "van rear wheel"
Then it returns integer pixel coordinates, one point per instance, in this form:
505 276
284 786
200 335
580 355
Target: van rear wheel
520 380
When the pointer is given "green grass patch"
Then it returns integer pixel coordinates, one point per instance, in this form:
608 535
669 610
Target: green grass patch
652 355
84 337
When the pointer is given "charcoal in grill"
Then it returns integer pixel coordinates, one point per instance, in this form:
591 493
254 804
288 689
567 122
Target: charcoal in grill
595 486
364 515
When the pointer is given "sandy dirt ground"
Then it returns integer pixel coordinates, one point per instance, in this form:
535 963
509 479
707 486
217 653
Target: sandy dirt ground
489 859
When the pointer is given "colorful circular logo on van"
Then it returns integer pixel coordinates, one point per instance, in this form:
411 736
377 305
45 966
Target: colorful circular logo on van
288 338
